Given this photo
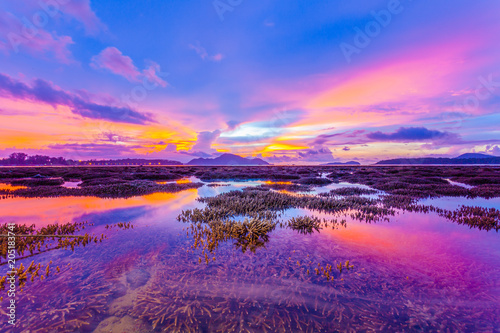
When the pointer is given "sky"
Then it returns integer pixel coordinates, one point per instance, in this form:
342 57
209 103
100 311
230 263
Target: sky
290 81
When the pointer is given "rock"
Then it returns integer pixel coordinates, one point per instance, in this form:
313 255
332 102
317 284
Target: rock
119 290
125 324
137 278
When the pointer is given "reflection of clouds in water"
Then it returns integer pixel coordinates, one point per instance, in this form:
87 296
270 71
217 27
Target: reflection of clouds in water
455 203
424 257
43 211
71 184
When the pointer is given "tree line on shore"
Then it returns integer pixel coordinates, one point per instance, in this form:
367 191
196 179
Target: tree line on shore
22 159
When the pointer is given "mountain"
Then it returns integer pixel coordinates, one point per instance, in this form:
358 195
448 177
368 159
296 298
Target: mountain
227 159
470 158
473 155
346 163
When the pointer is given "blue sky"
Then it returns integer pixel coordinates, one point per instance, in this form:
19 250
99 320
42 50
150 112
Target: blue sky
289 81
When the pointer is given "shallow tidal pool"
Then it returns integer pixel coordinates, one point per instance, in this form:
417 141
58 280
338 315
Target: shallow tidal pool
415 272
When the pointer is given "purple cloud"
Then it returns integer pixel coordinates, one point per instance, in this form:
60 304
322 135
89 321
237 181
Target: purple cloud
45 92
495 150
204 142
406 134
93 150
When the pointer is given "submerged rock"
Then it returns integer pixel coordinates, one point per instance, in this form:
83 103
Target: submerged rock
125 324
137 278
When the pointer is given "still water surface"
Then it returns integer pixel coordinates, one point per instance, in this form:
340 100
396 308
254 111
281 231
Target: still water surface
417 272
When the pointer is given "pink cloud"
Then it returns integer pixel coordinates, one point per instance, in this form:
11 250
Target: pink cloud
203 54
81 11
113 60
116 62
218 57
16 36
151 73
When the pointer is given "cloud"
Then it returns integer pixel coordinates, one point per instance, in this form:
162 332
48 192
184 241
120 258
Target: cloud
327 138
204 141
44 92
201 148
171 147
316 154
113 60
16 36
117 63
203 54
494 150
407 134
112 137
321 155
346 148
81 11
93 150
152 73
232 125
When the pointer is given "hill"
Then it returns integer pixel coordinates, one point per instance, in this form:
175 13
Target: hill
473 155
470 158
227 159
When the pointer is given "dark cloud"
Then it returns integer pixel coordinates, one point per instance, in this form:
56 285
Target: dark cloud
93 150
112 137
325 138
313 154
346 148
44 92
406 134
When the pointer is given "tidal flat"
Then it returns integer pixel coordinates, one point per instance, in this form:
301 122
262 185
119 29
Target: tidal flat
252 249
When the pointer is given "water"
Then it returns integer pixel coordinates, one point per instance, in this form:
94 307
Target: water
418 272
459 184
10 187
71 184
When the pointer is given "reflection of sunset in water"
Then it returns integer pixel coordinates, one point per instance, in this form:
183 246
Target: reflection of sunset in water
178 181
10 187
416 263
269 182
43 211
424 243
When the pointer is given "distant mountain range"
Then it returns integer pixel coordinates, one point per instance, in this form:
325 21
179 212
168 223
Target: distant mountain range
340 163
227 159
469 158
